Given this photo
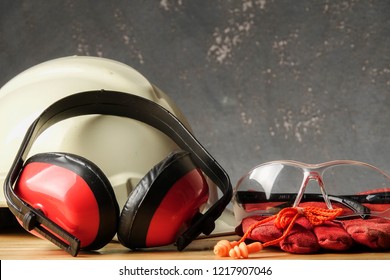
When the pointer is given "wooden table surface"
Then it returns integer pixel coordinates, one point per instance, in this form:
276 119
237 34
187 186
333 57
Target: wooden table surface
16 244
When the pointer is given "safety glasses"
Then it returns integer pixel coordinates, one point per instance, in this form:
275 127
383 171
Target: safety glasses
360 189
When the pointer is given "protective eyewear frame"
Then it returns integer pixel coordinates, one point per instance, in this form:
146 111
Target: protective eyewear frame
310 172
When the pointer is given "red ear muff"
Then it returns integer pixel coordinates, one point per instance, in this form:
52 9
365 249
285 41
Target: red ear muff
83 212
163 203
74 193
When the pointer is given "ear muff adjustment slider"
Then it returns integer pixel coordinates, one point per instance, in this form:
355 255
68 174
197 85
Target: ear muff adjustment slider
29 221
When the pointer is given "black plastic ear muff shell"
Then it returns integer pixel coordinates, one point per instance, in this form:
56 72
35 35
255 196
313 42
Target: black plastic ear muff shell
75 193
163 203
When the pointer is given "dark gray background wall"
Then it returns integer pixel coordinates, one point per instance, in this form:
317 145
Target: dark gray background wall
258 80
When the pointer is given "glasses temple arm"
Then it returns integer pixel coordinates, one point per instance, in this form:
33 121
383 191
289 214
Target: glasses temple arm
358 208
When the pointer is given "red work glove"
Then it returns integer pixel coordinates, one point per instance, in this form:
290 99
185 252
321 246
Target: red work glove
304 237
373 233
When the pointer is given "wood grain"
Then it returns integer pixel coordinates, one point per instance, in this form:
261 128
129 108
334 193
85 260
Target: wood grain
20 245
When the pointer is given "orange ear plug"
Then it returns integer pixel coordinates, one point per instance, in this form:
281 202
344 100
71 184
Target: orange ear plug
223 247
243 250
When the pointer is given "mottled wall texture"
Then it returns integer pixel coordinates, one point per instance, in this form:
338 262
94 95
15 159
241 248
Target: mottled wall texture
258 80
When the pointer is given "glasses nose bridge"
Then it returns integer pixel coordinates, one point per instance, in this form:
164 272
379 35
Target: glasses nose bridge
314 175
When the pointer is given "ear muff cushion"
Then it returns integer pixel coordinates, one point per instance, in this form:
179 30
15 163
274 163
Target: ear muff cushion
146 197
108 209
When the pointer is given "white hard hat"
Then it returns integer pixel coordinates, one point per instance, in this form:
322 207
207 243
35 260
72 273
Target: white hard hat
124 155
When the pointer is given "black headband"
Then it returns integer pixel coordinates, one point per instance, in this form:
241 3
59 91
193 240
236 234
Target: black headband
121 105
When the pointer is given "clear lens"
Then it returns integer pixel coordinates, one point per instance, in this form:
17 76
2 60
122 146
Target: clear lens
360 189
350 179
272 178
266 188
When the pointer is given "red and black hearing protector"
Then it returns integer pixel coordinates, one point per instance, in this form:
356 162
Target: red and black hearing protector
67 199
